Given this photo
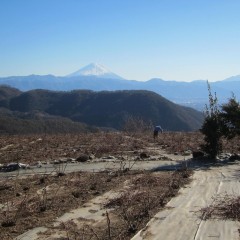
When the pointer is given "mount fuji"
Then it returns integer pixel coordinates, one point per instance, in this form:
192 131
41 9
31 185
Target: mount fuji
96 77
95 70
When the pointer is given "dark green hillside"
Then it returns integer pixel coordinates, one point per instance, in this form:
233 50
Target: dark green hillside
6 93
38 123
35 100
109 109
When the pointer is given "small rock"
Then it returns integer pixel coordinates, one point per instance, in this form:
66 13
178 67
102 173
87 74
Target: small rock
164 158
92 156
71 160
56 162
108 157
39 164
144 155
187 153
82 158
61 174
63 160
234 157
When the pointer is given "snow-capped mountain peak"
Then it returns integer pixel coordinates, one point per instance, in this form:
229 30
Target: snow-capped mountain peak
96 70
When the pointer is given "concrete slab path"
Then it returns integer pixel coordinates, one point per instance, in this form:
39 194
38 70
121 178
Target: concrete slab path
181 218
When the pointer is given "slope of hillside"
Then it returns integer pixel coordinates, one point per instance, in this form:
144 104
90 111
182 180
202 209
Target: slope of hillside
109 109
7 92
13 125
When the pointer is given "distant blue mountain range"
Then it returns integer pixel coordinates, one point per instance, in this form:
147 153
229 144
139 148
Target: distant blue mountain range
193 94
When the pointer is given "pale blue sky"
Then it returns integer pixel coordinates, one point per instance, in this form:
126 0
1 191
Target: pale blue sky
137 39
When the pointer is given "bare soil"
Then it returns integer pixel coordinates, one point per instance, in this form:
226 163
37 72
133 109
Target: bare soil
38 200
33 148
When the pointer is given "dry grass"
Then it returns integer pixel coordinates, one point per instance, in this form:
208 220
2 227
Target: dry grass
131 210
223 207
38 200
33 148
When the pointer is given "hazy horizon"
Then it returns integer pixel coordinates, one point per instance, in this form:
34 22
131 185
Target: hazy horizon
138 40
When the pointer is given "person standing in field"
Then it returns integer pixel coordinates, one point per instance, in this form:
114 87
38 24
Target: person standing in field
157 129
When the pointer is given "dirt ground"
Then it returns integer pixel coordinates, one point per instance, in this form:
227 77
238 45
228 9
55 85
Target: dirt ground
33 148
38 200
134 197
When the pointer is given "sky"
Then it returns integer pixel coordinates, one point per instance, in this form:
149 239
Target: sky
181 40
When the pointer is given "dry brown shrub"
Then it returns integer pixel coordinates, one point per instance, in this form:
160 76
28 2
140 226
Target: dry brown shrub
223 207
